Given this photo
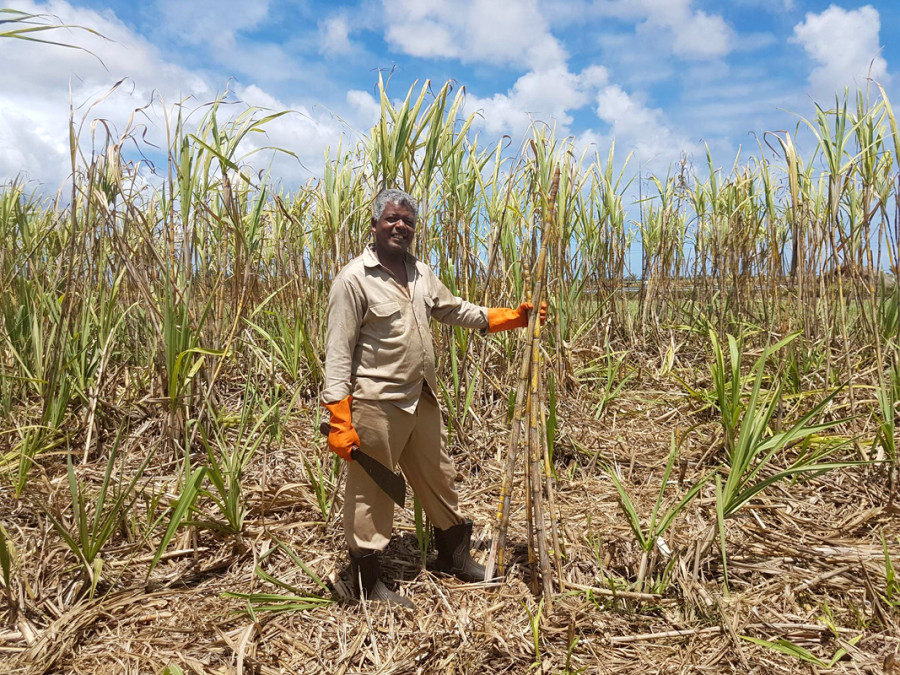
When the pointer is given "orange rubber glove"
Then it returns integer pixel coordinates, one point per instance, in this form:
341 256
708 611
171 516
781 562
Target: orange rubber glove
343 437
504 318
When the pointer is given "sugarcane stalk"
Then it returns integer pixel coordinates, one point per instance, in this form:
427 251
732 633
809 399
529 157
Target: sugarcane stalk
498 545
557 551
529 494
538 533
536 455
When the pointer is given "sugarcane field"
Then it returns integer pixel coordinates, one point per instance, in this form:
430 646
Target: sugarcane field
670 401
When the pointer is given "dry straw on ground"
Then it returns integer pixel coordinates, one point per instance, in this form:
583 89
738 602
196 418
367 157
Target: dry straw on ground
795 555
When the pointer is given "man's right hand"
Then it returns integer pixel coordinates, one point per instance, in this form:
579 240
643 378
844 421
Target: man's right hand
343 437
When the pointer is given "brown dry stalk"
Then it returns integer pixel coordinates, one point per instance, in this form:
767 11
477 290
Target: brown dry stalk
498 545
536 455
528 406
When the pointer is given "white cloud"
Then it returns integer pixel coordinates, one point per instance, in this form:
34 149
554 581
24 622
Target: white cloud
200 23
34 99
694 33
540 95
845 44
36 79
473 31
220 31
368 110
699 35
26 146
686 31
303 131
641 129
334 36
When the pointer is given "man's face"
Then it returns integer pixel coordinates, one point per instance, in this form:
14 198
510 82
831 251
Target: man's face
394 231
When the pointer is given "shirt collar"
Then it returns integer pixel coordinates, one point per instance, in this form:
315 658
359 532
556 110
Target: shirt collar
370 258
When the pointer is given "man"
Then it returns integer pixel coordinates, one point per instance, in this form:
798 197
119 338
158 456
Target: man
380 390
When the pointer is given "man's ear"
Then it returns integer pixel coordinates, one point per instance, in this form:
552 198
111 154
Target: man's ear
372 223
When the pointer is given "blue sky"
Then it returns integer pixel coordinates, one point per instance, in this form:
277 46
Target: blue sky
659 77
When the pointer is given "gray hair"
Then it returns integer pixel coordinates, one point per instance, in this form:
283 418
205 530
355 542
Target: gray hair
392 196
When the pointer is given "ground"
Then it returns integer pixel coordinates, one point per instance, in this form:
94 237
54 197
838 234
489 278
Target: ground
805 560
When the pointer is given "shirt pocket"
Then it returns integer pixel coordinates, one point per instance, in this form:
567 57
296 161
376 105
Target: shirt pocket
383 320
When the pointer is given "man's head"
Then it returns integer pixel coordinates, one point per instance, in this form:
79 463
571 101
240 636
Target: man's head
393 196
394 214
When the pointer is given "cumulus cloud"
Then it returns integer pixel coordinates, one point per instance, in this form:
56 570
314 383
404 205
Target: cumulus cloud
198 23
686 31
637 128
540 95
698 34
36 80
473 31
845 45
334 36
304 131
367 109
221 32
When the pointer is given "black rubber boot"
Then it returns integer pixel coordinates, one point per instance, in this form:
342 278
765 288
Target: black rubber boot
364 568
454 557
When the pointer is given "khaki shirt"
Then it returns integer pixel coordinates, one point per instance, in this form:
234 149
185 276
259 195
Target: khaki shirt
378 342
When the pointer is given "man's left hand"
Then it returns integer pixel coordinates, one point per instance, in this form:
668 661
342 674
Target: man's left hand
504 318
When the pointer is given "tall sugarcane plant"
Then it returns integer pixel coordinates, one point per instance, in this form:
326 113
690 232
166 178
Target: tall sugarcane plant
529 417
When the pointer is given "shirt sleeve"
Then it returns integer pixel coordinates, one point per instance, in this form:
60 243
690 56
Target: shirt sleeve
453 310
345 312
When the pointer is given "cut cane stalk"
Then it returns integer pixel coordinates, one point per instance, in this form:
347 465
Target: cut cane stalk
528 406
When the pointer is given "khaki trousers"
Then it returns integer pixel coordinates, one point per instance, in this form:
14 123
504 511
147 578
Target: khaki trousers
417 442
